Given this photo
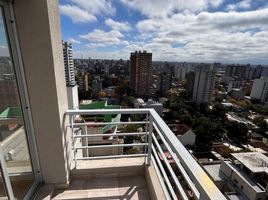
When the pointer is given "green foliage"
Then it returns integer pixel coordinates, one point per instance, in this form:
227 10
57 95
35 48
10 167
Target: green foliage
237 131
186 119
259 108
184 94
133 151
131 128
207 123
167 103
260 121
127 101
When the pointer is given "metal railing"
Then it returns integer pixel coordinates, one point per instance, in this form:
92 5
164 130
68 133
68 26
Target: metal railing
184 178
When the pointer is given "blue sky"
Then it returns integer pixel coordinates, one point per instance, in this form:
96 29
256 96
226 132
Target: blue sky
228 31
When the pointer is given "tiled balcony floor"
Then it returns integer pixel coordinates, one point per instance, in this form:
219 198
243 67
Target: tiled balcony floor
123 188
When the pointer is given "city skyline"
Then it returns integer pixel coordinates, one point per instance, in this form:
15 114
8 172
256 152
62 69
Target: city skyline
205 31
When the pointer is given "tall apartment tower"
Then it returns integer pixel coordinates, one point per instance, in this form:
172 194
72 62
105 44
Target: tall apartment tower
190 77
260 89
8 92
141 72
72 89
203 84
68 63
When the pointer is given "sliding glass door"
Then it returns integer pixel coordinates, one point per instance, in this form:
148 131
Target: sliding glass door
19 174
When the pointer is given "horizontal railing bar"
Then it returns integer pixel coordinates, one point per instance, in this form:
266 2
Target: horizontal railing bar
174 196
111 157
182 170
173 175
108 111
112 134
107 123
206 187
112 145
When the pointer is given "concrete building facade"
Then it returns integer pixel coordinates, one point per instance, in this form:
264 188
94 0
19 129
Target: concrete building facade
141 72
260 89
203 84
8 92
72 89
68 63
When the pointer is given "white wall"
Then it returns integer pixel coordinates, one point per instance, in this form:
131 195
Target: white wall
39 36
72 93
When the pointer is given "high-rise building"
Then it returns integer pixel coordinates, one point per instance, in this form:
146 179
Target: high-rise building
6 66
190 77
141 72
241 72
8 92
72 89
264 72
260 89
203 84
96 87
166 78
181 71
68 63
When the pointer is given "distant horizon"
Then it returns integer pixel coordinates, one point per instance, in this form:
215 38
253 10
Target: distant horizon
231 63
264 65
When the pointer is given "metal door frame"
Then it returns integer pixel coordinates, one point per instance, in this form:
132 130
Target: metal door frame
15 54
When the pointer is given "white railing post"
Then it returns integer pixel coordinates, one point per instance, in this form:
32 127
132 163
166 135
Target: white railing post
146 137
150 139
73 137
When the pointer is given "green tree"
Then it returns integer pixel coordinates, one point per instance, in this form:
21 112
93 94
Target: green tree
237 131
206 132
120 91
204 136
260 121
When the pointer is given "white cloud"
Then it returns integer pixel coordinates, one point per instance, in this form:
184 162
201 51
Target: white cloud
3 46
234 20
184 31
96 7
95 45
101 55
120 26
77 14
203 22
74 41
160 8
112 37
219 36
216 3
244 5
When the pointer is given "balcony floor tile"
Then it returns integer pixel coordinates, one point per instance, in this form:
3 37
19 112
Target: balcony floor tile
123 188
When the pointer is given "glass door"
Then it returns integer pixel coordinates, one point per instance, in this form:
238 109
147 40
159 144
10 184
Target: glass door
19 169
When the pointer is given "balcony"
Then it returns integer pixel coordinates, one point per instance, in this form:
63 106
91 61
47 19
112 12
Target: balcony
159 168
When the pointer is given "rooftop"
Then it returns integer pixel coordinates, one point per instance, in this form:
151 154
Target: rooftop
244 176
11 112
214 171
254 161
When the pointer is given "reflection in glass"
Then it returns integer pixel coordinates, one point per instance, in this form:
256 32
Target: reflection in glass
3 194
12 132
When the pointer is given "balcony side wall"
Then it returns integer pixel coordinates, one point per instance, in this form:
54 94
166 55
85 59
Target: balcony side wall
38 27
